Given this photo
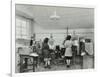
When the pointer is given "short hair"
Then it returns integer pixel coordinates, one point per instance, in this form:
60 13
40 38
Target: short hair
46 40
68 37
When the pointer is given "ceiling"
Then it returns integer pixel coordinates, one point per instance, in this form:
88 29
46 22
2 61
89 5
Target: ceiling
71 17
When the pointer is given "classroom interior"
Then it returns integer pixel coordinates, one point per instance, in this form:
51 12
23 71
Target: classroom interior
56 21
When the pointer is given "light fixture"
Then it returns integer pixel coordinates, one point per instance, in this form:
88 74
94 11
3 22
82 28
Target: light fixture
54 16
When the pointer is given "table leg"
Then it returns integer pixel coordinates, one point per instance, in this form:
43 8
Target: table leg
33 65
21 64
26 62
81 62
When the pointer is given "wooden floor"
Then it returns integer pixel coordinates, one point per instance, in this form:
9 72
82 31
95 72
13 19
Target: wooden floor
88 63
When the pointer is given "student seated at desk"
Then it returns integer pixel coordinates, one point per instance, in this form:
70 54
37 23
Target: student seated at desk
58 52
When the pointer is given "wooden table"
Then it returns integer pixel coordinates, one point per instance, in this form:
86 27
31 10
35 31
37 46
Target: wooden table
26 57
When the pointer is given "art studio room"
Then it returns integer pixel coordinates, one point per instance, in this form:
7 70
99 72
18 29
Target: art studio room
53 38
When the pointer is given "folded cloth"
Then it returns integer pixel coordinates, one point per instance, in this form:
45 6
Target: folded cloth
34 54
83 53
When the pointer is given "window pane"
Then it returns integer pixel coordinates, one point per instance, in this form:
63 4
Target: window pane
18 22
22 27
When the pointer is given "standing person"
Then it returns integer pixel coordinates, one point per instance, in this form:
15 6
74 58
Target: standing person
51 44
46 53
68 50
33 43
75 49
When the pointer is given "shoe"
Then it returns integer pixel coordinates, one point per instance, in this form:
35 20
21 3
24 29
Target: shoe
68 66
49 67
45 66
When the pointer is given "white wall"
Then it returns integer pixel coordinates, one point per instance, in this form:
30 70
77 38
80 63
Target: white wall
60 34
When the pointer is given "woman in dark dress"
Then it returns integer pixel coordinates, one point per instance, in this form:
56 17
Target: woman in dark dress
46 53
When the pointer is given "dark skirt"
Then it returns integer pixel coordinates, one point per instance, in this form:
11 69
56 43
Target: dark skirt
46 53
68 57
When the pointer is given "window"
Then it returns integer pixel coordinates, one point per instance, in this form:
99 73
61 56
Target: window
22 27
